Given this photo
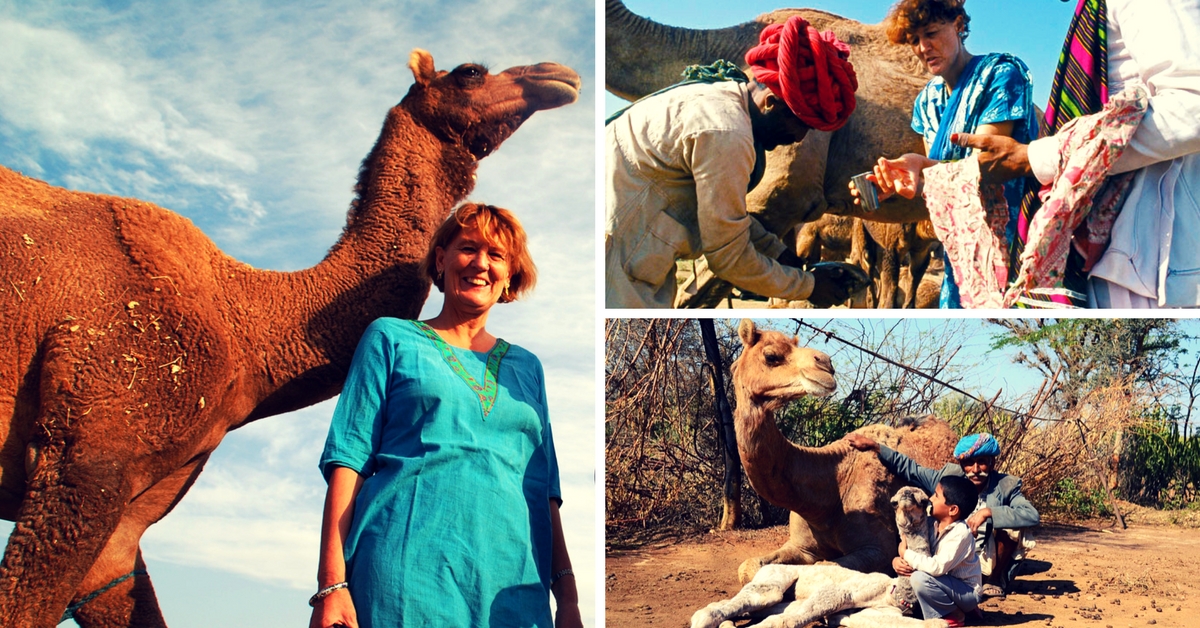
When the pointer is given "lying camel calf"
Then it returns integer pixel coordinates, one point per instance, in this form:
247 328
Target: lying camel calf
826 590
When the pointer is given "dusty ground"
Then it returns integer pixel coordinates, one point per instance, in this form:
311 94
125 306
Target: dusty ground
1078 576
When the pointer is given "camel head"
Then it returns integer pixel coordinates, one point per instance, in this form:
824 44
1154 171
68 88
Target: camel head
472 108
774 369
912 506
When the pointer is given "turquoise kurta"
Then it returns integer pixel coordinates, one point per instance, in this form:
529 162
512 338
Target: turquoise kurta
452 524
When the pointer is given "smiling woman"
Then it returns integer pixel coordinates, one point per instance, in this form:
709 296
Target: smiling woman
478 258
397 546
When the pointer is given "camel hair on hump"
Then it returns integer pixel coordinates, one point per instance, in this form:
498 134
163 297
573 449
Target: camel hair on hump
132 344
802 181
847 597
838 496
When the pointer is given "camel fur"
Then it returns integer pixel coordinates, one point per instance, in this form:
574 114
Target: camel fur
803 181
132 345
838 496
828 589
880 249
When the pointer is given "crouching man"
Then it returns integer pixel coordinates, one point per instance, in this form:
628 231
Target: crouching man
1002 516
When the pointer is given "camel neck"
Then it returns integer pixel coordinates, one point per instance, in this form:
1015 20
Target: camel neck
785 474
305 325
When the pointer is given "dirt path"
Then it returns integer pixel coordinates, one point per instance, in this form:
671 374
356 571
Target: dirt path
1076 577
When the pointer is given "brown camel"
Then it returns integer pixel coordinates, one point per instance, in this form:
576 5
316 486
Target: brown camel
133 345
805 180
837 495
890 245
879 248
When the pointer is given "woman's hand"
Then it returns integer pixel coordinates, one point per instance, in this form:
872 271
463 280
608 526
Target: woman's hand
901 175
336 609
902 567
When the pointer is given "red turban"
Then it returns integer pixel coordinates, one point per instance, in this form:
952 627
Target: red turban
810 71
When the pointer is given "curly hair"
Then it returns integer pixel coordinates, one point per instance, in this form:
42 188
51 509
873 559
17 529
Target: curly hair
907 17
500 228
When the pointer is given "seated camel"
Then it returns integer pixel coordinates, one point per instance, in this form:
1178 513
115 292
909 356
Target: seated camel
838 496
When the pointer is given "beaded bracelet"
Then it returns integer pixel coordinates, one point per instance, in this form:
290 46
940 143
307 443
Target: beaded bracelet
324 593
565 572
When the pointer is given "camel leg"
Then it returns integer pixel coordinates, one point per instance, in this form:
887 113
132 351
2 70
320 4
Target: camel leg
826 599
800 549
882 618
133 602
67 516
919 256
767 588
887 277
860 590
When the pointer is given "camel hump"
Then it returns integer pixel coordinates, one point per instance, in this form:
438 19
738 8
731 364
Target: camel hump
926 439
22 196
166 246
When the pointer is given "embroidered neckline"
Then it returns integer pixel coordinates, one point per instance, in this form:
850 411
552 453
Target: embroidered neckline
487 391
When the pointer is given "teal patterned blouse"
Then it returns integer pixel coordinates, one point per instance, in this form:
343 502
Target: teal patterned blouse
452 524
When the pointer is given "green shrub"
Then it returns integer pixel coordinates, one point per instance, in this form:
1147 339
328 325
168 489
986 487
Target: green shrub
1069 498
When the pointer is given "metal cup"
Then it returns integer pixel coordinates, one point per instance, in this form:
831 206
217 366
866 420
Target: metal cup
868 194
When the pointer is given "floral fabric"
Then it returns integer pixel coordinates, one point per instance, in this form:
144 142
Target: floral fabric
966 215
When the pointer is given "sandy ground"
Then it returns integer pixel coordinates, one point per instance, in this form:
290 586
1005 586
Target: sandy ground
1078 576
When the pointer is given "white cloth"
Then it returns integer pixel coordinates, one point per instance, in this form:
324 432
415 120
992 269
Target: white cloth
953 554
1156 42
677 169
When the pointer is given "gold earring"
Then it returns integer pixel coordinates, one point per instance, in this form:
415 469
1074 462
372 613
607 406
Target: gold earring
504 295
439 276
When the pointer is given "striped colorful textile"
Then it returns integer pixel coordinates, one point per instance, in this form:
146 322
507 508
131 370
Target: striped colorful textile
1080 87
1081 81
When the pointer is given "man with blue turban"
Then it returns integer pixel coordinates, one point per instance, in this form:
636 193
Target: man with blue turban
1002 516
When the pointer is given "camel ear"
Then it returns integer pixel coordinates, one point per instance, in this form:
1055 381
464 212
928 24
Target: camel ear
421 63
748 333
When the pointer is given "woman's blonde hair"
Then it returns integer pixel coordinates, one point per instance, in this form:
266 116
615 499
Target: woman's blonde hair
907 17
499 227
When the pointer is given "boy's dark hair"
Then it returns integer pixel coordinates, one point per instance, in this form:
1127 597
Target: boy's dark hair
959 491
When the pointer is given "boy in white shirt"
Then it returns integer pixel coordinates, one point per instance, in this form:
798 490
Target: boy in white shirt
947 584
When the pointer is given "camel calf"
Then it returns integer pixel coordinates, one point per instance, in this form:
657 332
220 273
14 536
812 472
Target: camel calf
828 589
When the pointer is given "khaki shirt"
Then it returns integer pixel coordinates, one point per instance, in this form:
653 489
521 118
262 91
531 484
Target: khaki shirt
677 170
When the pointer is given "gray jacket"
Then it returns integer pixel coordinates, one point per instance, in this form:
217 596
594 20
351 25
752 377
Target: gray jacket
1002 494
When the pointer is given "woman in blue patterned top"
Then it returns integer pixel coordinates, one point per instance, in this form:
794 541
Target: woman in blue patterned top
442 507
990 93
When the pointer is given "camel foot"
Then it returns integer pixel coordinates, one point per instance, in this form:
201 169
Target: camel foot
748 569
708 617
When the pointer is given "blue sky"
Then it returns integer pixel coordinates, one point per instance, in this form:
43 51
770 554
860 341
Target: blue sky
251 118
1030 29
975 366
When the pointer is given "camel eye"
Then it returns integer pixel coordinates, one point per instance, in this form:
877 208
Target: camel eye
469 73
773 359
